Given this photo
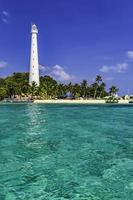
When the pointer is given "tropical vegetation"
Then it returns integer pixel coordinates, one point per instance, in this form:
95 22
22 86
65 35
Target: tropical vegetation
17 85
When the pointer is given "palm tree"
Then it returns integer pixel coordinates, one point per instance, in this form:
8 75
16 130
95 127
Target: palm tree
96 84
3 93
76 90
98 79
33 90
84 86
18 84
102 89
12 87
94 87
50 86
69 87
113 90
60 91
41 92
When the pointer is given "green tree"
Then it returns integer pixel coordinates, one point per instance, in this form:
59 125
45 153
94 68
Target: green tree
113 90
102 91
84 87
3 93
60 91
33 89
96 84
50 85
18 84
76 90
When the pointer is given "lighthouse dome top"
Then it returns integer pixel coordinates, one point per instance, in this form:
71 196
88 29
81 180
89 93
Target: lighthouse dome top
34 29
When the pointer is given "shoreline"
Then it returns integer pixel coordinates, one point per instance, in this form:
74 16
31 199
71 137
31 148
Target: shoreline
90 101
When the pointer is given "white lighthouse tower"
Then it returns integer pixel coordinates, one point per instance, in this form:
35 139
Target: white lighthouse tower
34 65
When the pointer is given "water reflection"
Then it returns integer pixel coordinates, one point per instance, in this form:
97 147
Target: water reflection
36 120
35 129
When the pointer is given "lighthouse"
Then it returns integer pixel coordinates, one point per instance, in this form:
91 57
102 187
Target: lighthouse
34 65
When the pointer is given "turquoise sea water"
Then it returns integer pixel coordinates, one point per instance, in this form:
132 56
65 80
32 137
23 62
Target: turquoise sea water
60 152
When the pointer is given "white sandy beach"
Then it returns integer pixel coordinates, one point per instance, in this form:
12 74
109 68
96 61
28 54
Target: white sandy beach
90 101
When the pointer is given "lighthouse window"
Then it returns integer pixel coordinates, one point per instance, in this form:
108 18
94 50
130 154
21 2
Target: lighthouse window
33 51
33 66
33 58
33 74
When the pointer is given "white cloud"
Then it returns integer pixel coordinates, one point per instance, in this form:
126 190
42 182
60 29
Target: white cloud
3 64
5 16
119 68
129 54
104 69
43 68
57 72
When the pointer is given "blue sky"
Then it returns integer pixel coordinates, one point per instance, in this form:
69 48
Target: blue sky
77 39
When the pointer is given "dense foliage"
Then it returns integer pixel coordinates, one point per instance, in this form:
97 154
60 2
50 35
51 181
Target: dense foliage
17 85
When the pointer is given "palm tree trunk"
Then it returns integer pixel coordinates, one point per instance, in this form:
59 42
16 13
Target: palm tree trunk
100 94
95 93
